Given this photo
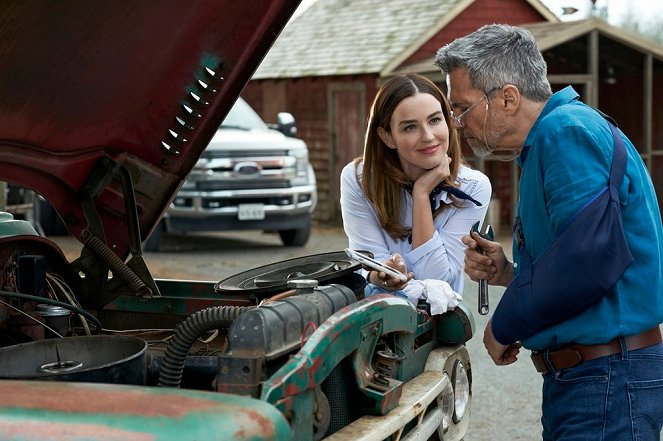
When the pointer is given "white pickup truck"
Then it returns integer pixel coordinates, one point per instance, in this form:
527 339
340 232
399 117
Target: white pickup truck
251 176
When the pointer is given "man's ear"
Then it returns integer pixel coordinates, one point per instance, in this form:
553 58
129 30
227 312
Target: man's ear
386 137
511 99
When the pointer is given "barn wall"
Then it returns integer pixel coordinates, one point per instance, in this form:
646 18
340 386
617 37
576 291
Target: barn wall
481 12
307 99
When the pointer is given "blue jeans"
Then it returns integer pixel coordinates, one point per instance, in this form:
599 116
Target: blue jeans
613 398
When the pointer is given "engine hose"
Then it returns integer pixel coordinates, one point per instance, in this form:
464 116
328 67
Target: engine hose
186 333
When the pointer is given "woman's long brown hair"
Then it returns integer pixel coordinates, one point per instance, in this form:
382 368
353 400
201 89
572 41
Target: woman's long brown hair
383 178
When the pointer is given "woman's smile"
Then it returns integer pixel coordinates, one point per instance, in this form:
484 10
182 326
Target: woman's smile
429 150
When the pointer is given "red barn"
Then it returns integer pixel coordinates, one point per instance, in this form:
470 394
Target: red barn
326 67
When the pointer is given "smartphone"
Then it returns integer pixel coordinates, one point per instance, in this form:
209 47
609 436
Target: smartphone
374 264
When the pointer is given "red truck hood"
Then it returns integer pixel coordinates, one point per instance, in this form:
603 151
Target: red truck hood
107 101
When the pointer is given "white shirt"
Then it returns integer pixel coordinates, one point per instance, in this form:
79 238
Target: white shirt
442 256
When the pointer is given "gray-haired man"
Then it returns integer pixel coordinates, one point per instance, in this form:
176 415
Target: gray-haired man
594 330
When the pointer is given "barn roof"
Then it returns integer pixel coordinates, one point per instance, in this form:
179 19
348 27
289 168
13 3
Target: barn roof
550 35
345 37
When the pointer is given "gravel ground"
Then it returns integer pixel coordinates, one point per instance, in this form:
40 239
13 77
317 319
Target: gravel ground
506 400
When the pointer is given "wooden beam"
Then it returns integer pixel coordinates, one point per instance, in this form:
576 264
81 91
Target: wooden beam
593 63
569 78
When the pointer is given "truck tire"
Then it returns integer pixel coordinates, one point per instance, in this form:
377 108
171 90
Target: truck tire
295 238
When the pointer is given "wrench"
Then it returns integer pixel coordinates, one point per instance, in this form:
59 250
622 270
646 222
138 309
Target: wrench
483 284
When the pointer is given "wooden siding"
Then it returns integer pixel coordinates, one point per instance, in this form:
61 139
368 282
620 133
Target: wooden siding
307 100
481 12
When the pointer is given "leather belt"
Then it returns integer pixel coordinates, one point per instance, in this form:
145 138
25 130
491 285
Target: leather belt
574 354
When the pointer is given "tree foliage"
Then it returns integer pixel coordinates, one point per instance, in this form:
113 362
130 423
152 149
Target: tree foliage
651 29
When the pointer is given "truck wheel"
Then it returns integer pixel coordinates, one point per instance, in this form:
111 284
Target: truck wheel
151 244
295 238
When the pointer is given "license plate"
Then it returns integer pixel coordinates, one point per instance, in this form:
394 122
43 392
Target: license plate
251 212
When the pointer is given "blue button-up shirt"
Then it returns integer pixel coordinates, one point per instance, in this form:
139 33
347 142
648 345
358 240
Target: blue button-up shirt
565 161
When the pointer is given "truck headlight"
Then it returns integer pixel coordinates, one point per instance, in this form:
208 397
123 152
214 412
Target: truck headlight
445 401
461 386
301 166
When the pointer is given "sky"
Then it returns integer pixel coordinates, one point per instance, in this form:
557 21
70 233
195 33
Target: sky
617 9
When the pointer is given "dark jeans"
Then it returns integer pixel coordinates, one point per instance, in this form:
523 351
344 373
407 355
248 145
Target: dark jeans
614 398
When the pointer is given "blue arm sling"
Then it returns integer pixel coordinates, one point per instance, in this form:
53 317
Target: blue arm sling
579 268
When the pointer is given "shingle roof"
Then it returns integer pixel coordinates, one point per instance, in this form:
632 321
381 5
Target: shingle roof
552 34
345 37
549 35
339 37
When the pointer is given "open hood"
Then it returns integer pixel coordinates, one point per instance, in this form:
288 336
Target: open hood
106 106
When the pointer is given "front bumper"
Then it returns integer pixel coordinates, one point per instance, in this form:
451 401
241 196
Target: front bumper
264 209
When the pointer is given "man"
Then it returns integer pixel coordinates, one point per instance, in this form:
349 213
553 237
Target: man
593 327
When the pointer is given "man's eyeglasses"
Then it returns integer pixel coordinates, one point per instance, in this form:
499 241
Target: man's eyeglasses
459 118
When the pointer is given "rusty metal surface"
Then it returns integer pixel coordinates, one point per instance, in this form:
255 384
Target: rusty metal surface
82 82
418 394
338 336
291 388
77 411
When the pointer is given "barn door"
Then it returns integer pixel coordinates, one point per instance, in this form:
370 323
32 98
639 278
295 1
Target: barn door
347 123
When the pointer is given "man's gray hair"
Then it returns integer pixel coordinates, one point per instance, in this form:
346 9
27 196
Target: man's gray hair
496 55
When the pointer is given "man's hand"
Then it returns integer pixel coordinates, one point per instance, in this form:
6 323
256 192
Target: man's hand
491 265
501 354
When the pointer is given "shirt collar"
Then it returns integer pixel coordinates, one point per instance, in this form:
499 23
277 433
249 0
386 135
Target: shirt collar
445 191
559 98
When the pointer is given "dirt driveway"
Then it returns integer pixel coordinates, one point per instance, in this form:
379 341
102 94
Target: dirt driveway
215 256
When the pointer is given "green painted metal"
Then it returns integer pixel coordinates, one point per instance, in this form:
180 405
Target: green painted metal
338 337
382 391
415 349
57 411
178 297
456 326
14 227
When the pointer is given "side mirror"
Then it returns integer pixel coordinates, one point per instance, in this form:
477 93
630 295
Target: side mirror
285 123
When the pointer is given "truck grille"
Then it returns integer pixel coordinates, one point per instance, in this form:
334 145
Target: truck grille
214 203
240 184
219 154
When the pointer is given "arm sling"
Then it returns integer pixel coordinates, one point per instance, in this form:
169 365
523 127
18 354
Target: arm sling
580 267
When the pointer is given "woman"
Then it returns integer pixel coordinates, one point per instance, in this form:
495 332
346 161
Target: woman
409 195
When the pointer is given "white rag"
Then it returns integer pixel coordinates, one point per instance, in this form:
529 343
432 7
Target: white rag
437 293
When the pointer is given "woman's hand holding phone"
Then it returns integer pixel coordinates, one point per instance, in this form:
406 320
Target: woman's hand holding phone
391 274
